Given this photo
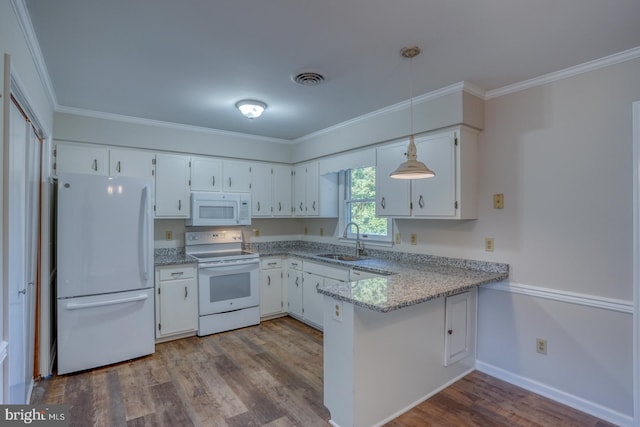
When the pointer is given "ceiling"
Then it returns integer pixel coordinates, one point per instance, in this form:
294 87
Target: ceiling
190 61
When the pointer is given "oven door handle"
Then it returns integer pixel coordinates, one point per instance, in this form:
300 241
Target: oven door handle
227 265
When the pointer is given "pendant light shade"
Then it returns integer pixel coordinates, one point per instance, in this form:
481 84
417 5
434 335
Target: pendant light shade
412 168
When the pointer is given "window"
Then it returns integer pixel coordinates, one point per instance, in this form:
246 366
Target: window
360 205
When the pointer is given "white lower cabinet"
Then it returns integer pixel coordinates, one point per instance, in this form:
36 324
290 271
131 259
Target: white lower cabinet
176 301
271 289
294 287
316 275
459 326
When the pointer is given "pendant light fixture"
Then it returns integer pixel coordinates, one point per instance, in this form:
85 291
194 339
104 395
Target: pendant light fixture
412 168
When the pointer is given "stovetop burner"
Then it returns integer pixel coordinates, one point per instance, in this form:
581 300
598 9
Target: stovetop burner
216 246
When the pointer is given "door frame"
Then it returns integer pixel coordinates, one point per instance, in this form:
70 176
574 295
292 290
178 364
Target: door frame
636 263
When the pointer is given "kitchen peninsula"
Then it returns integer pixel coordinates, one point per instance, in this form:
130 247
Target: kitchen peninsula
395 339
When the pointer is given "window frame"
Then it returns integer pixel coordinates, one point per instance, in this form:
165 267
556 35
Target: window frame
376 239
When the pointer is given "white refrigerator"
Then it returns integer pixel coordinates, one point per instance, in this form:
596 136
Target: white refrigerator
105 301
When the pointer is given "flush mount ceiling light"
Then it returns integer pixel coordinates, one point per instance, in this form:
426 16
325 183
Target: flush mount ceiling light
251 108
412 168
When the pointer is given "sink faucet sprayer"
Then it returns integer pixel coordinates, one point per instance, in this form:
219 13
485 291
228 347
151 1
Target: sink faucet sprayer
359 246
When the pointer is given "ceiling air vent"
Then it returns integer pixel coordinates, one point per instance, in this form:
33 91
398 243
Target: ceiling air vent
308 78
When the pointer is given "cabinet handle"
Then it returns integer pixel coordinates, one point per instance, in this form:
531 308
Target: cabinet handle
258 206
295 264
213 181
450 331
177 273
118 167
229 181
280 206
421 202
383 203
95 165
313 205
186 292
179 205
300 206
268 280
297 281
272 263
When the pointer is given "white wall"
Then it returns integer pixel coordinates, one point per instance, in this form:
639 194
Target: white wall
562 155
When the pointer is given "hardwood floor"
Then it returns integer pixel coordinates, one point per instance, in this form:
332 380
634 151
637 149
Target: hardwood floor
270 375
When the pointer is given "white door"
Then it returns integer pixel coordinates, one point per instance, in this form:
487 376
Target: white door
23 231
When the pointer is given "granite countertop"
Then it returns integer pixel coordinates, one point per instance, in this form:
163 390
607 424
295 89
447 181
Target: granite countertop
406 279
171 256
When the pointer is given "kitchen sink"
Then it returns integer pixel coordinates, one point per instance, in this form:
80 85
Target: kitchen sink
340 257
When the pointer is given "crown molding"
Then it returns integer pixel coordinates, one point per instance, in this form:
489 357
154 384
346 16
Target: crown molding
168 125
20 9
596 64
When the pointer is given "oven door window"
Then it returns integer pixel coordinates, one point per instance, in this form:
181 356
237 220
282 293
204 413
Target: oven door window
228 288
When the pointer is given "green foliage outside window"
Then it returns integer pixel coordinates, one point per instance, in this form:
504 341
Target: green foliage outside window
361 205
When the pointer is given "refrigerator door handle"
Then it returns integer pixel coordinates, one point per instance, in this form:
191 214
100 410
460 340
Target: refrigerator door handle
144 234
78 306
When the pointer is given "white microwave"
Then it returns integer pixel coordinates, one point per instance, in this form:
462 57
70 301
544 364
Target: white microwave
213 209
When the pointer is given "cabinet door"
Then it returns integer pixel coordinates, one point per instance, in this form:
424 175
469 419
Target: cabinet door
237 176
435 197
206 174
271 292
131 163
457 344
281 190
312 303
178 307
294 292
312 189
392 195
261 176
78 159
172 186
299 190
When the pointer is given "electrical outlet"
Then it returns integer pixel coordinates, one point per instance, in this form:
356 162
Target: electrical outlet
414 239
398 238
541 346
498 201
168 235
256 232
337 313
321 231
488 244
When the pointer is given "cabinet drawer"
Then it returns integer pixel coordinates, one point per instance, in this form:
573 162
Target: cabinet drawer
268 263
294 264
176 273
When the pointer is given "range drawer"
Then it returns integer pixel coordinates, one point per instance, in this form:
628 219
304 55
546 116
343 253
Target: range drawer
176 273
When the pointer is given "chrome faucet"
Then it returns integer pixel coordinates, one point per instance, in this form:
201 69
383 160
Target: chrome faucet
359 247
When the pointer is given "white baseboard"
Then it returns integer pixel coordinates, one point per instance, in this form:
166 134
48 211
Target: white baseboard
557 395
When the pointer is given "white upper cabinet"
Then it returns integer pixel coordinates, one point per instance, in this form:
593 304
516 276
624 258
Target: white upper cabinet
261 188
206 174
123 162
81 159
392 195
451 194
236 176
281 190
172 186
314 194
